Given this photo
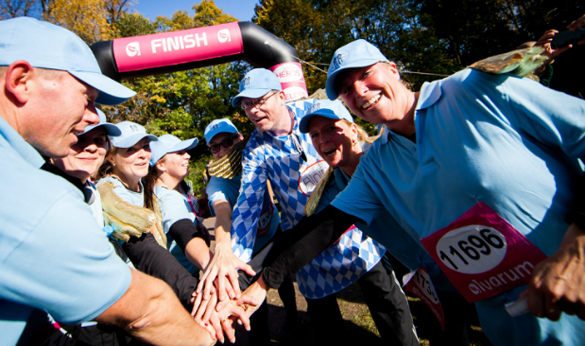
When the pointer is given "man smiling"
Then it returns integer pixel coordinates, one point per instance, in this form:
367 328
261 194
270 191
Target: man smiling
53 254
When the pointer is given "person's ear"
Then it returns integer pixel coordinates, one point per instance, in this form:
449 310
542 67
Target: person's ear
17 81
160 165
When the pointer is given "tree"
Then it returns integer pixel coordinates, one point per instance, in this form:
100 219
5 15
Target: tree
86 18
475 29
180 103
17 8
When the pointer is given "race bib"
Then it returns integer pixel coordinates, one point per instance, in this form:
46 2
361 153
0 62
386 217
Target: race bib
482 254
419 283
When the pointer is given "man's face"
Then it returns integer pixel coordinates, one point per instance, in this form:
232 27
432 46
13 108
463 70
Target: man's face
374 93
225 142
266 113
61 107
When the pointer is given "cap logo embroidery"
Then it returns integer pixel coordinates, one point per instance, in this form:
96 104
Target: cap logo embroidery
247 81
315 107
134 128
339 58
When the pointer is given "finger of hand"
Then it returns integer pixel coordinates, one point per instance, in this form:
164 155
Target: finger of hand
221 287
211 307
246 299
552 309
216 323
242 315
247 268
209 289
535 301
196 304
203 307
229 330
229 289
235 285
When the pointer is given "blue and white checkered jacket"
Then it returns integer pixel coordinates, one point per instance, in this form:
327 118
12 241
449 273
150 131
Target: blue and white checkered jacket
293 175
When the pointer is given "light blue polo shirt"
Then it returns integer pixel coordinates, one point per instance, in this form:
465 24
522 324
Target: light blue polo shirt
508 142
223 189
53 254
405 246
175 206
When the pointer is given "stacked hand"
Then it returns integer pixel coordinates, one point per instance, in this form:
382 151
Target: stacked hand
216 297
557 282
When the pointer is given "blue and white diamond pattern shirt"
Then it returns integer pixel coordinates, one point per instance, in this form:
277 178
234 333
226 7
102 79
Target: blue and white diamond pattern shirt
294 168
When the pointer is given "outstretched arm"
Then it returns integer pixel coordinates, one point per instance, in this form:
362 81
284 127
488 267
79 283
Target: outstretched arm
222 270
298 246
150 312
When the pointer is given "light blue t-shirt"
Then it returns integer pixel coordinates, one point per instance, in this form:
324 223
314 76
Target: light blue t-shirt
223 189
53 254
508 142
132 197
175 206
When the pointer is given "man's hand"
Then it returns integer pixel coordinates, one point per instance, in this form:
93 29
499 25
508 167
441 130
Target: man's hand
558 282
222 273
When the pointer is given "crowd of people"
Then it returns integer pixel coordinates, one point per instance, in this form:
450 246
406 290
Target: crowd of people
474 182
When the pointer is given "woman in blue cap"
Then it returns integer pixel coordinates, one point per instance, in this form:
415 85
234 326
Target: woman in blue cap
187 238
84 159
128 162
342 143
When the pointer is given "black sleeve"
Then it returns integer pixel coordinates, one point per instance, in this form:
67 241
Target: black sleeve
183 231
298 246
151 258
577 215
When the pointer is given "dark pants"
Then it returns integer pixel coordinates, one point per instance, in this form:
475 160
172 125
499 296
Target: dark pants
259 334
388 307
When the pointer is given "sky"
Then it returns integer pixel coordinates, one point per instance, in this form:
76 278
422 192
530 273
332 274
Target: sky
241 9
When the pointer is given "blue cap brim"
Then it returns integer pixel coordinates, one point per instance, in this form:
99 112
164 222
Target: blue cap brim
331 84
131 140
111 92
306 120
249 93
111 130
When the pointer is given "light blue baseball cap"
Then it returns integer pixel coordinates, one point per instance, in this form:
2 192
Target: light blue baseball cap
49 46
325 108
131 133
257 83
169 144
356 54
111 129
218 126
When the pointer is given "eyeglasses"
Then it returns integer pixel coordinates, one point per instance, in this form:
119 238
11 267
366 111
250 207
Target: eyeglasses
247 105
226 143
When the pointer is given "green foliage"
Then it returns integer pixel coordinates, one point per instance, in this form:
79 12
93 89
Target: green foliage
133 24
180 103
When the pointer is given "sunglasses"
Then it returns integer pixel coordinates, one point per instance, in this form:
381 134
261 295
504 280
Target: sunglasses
247 105
226 143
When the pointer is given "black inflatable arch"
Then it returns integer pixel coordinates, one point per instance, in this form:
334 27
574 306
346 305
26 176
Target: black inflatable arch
168 52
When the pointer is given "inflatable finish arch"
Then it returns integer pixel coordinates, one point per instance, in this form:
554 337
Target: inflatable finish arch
187 49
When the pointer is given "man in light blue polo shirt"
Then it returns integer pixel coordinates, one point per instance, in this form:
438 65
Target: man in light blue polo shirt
53 254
